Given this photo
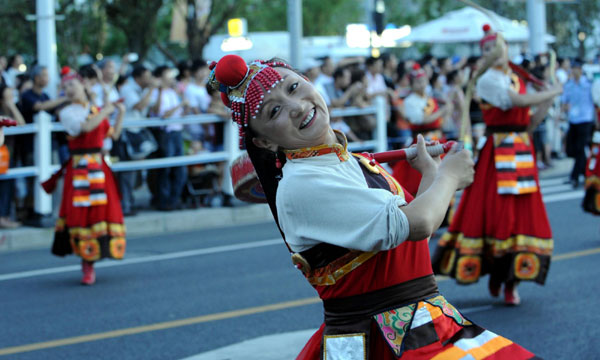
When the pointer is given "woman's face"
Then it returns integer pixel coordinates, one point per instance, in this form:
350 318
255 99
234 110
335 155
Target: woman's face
293 115
420 84
488 49
74 89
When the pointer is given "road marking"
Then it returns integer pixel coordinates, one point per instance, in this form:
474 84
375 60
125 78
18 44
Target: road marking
564 196
159 326
224 315
139 260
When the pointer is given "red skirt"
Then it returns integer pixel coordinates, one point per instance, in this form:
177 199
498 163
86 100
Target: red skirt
434 338
591 200
92 232
507 236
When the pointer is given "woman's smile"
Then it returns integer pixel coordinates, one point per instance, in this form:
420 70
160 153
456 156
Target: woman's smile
309 119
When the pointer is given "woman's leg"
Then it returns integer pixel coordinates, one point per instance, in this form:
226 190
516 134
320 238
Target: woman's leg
89 275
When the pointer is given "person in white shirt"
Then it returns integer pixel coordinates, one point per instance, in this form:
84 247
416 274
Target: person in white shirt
106 91
167 104
136 93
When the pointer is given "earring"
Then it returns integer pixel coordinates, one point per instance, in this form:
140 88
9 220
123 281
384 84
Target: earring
278 163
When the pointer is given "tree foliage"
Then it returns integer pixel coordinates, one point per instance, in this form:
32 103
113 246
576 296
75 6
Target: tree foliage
120 26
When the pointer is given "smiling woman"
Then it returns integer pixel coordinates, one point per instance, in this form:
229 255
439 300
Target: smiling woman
357 236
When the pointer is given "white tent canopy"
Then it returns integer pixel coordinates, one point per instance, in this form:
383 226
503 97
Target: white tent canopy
466 25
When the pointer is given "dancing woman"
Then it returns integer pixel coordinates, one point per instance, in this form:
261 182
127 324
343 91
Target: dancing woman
90 222
357 236
501 227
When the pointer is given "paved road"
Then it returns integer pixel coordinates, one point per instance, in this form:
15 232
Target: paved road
185 294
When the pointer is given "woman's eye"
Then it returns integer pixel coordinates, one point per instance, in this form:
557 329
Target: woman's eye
293 86
274 110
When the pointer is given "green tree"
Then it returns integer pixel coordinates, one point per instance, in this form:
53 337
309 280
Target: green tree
137 19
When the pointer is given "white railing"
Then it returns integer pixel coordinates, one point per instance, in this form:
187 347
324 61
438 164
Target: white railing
43 127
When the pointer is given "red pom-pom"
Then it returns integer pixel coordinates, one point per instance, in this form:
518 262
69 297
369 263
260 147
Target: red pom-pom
231 70
224 99
65 70
486 28
416 66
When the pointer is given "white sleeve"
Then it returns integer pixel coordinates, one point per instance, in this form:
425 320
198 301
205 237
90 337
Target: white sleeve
493 87
189 95
71 119
314 209
130 97
414 110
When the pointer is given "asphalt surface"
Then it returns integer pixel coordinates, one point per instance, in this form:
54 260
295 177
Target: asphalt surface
218 283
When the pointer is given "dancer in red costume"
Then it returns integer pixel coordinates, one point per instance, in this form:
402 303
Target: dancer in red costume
357 236
425 117
90 221
501 227
591 201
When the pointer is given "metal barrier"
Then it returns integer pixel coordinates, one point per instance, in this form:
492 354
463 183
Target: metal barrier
43 127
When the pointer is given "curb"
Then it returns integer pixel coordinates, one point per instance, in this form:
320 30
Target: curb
148 223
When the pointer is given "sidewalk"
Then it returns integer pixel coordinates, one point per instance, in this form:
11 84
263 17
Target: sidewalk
150 222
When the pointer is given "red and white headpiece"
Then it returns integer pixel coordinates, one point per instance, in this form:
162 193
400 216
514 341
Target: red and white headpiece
243 86
417 72
67 74
488 35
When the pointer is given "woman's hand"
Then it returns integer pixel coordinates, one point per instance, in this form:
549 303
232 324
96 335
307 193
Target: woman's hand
1 135
423 162
458 166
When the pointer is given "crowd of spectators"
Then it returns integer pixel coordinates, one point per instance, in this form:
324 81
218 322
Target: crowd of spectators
175 90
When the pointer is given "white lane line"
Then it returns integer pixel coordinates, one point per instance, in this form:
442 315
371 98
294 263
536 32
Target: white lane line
144 259
475 309
578 194
556 188
554 181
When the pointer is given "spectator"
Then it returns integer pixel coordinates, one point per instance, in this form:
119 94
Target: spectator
577 101
361 125
340 91
167 104
14 69
326 72
195 92
8 108
375 81
136 94
3 63
456 97
184 76
390 65
106 91
33 101
563 71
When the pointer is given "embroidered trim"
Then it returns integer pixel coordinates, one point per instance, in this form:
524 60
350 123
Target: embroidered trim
339 149
515 243
84 240
515 166
330 274
396 324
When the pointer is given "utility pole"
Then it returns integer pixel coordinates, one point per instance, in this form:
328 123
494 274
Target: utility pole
536 19
294 20
46 42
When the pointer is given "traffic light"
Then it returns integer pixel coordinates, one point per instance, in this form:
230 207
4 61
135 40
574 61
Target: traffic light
378 18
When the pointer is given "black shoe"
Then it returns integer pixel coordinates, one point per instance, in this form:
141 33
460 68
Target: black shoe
130 213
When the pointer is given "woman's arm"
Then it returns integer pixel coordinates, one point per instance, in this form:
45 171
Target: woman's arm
119 122
426 212
11 107
524 100
92 122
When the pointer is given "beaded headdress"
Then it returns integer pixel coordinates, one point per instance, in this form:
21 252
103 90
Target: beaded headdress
417 71
243 86
488 35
